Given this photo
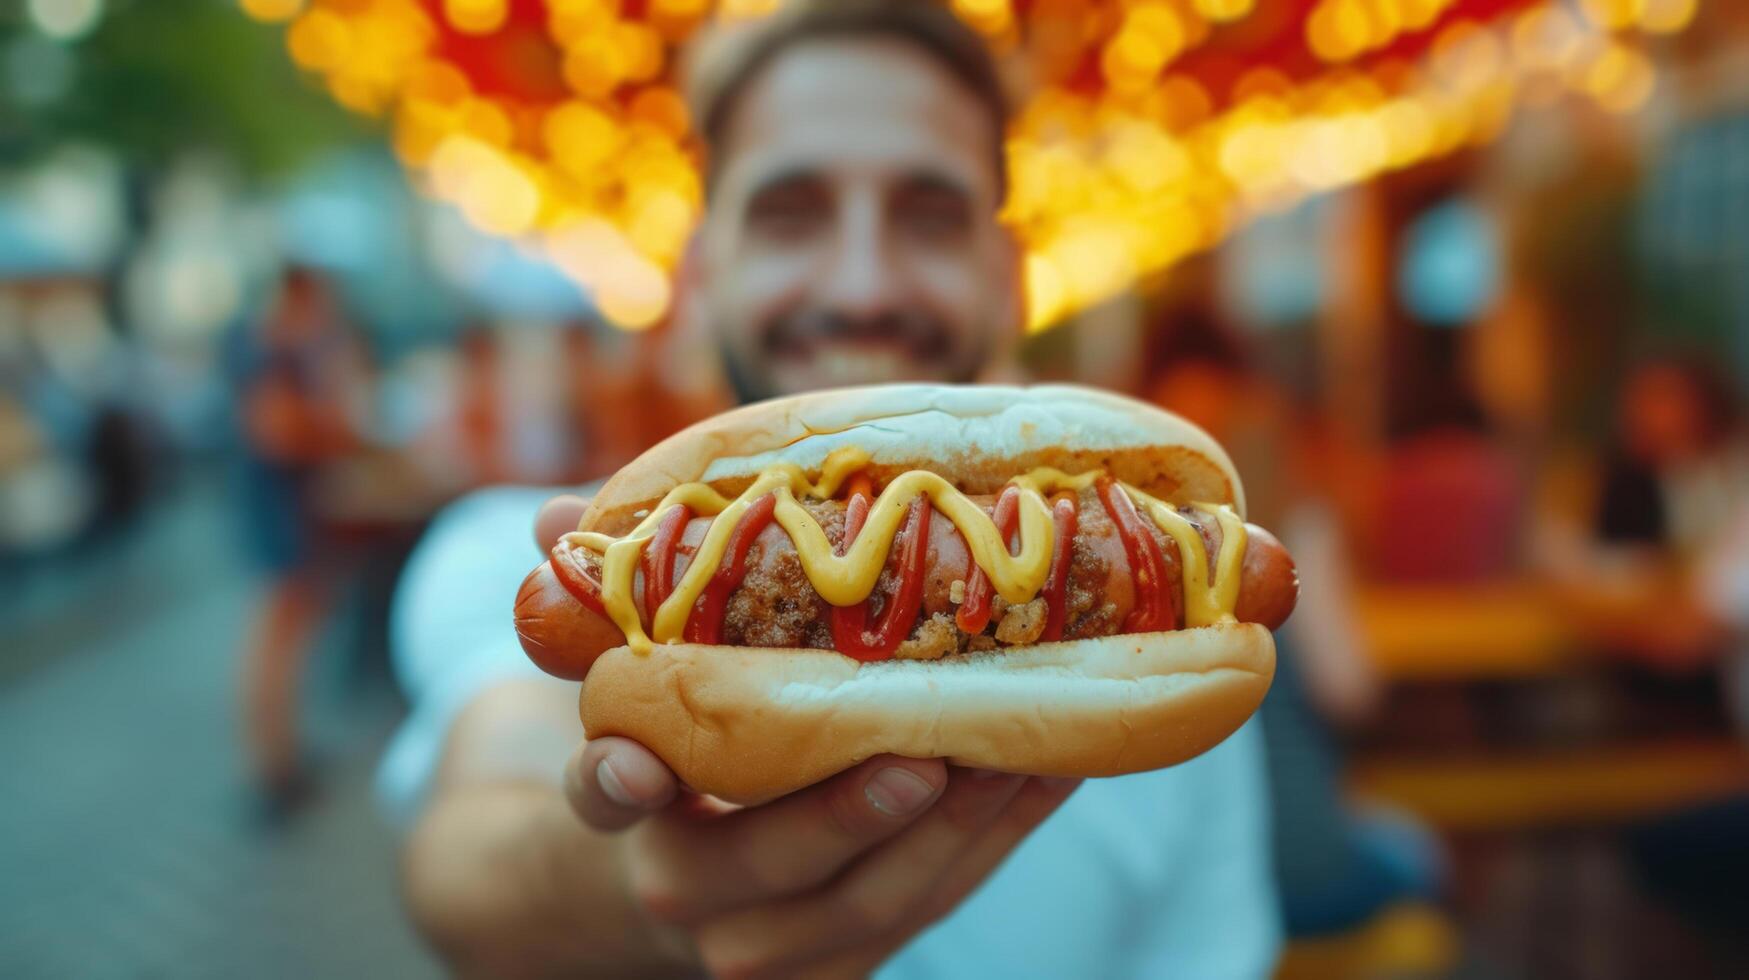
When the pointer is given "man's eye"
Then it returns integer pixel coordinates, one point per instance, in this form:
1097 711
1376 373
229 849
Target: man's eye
787 212
934 214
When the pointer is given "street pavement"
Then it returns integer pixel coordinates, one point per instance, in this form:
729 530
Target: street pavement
129 846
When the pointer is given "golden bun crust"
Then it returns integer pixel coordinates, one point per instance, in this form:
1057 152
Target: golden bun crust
979 436
748 725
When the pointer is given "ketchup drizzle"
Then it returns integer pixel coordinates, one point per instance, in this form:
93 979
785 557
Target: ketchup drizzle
974 613
1067 520
1152 611
848 622
574 576
705 625
850 632
659 558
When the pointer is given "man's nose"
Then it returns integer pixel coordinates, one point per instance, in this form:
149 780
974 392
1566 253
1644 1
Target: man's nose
860 281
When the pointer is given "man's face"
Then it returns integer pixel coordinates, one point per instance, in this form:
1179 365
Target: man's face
851 236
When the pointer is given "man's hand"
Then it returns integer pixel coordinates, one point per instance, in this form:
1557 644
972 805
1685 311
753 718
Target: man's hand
829 881
557 518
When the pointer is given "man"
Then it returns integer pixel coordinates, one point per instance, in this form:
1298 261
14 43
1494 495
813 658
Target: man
856 171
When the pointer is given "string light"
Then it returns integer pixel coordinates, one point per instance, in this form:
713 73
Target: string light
1612 14
319 39
272 11
493 193
1545 37
476 16
634 294
749 9
1222 11
1668 16
1113 174
991 18
1338 30
580 137
1620 78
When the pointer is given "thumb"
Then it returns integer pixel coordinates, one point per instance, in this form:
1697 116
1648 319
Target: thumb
613 783
557 518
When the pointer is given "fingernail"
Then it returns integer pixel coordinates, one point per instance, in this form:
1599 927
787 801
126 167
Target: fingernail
612 786
897 792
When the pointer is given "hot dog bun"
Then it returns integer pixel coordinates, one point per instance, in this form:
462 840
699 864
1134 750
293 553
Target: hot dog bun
748 725
978 436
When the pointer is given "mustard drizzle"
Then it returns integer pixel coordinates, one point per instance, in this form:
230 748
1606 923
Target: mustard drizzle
848 579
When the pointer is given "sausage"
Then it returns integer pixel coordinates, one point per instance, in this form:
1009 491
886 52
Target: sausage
560 634
776 606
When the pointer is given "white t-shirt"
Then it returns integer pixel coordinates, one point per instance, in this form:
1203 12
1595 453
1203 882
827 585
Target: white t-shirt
1162 874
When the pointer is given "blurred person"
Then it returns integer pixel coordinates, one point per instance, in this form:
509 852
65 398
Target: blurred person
1677 472
126 454
1654 569
1676 498
855 176
301 381
1665 494
1450 492
48 495
1337 863
1681 419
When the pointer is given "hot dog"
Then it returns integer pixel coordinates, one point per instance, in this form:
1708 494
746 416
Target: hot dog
775 606
1049 580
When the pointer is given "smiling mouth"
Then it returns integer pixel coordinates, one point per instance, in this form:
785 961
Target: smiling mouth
915 338
837 365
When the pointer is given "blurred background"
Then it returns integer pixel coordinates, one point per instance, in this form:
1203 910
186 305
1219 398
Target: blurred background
1462 284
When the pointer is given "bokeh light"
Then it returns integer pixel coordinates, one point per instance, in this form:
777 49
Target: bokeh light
65 20
1613 14
1145 135
1668 16
476 16
272 10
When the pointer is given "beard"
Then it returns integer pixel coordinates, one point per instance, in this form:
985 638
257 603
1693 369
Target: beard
814 349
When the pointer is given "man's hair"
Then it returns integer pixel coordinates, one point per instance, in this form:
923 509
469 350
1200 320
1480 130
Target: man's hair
924 24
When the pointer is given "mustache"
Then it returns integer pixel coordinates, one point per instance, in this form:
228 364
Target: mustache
920 334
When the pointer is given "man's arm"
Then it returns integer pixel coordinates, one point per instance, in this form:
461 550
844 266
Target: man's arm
501 876
495 847
515 870
508 875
